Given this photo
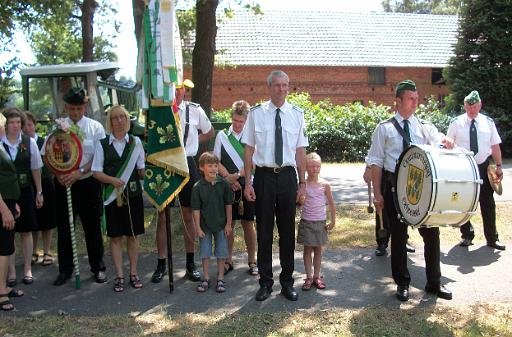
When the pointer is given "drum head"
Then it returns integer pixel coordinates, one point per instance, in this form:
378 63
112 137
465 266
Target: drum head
414 187
63 152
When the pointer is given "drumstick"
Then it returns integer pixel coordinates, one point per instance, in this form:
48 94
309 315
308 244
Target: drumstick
370 207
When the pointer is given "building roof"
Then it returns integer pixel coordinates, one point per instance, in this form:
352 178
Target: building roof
330 38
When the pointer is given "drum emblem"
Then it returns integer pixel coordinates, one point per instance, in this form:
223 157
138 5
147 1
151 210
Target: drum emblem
414 184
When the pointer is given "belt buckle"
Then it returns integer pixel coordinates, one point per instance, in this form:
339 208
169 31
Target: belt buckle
276 169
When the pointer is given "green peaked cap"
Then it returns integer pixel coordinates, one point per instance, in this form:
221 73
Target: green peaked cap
405 85
472 98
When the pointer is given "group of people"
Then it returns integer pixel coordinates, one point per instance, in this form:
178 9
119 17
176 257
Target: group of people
258 173
472 131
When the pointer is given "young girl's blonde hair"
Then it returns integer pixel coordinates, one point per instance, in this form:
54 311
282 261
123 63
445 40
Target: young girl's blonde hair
313 156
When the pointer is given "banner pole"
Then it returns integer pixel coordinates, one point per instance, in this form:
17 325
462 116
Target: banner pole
167 212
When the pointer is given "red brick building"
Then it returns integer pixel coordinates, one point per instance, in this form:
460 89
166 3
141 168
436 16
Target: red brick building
344 57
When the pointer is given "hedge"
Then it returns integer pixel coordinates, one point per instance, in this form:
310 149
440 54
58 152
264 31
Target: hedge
342 133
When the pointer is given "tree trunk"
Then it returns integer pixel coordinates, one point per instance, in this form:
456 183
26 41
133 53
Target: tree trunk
204 53
138 12
88 9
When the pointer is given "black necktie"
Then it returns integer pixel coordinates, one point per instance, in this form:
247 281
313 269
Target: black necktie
473 139
407 139
278 151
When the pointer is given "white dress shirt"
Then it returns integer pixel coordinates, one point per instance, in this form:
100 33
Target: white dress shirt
487 134
387 143
197 121
259 132
35 157
119 145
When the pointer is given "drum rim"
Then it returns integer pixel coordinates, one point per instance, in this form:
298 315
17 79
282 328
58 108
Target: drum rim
77 143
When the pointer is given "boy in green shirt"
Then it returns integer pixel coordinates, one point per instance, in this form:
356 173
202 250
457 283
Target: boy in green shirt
211 206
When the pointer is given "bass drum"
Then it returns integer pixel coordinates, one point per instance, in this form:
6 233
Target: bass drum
436 187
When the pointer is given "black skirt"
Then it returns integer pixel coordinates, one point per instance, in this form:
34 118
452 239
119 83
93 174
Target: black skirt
7 236
27 221
118 218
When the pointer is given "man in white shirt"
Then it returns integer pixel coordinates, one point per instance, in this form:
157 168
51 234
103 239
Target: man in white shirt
86 193
275 142
484 144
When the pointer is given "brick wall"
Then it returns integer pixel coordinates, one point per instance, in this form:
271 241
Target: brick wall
339 84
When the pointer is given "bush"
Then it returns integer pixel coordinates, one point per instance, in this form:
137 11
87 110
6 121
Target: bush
343 133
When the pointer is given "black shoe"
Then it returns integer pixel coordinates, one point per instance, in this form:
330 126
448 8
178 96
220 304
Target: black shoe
466 242
158 275
402 293
263 293
192 273
496 245
61 279
290 293
381 250
409 248
100 277
440 291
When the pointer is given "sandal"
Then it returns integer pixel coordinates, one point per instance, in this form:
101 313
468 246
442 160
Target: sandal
228 266
203 286
221 286
47 260
135 282
253 269
35 258
11 282
119 284
319 282
308 283
27 280
6 305
13 293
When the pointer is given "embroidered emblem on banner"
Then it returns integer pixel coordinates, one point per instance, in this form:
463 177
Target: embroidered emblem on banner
414 184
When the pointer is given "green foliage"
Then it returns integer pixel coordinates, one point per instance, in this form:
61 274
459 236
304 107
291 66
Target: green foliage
342 133
482 61
7 81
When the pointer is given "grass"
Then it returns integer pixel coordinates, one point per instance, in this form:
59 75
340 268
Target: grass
354 228
476 320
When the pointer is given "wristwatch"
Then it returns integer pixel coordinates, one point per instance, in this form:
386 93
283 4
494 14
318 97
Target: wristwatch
82 170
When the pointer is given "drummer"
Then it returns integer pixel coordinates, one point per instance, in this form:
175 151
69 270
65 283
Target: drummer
387 145
484 141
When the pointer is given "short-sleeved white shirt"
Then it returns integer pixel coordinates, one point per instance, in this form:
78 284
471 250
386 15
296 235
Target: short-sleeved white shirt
259 132
197 121
487 134
387 143
119 145
35 157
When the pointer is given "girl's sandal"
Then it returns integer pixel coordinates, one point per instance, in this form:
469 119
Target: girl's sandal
47 260
135 282
319 282
6 304
203 286
308 282
119 284
253 269
221 286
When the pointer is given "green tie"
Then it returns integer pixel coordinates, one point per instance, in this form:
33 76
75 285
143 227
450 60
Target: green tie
278 151
407 140
473 139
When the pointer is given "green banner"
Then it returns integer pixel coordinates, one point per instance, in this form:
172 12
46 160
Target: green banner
167 170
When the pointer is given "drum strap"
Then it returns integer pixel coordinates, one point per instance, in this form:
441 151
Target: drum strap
400 130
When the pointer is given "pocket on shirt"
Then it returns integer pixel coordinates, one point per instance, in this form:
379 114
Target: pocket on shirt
88 146
262 135
291 135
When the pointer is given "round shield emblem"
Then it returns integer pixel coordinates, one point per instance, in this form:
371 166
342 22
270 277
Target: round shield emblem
63 152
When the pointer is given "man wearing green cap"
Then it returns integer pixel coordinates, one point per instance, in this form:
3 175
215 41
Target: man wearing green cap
477 132
387 145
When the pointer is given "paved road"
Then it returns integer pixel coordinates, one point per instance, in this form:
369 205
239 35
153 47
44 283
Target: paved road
355 279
